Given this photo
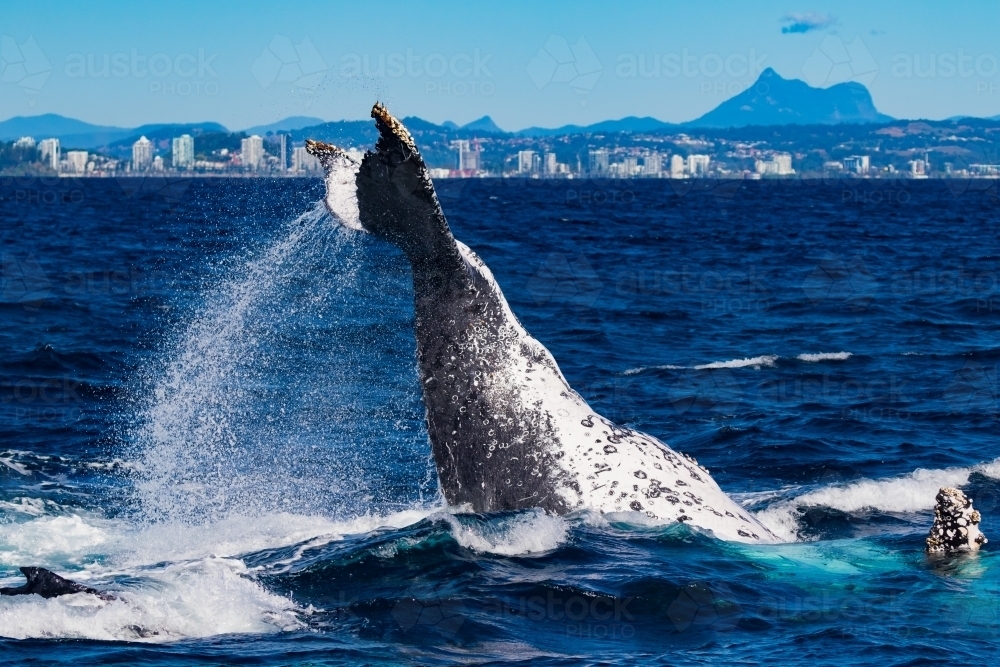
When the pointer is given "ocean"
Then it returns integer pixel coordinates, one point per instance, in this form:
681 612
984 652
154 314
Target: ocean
210 408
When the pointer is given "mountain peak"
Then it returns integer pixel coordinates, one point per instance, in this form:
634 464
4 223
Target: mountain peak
784 101
484 124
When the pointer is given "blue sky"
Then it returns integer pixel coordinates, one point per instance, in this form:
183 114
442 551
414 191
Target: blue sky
523 63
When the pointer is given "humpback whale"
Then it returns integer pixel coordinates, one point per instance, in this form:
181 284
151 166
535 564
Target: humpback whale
48 584
506 429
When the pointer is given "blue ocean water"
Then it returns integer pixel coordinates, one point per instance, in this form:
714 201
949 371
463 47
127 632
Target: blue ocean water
210 406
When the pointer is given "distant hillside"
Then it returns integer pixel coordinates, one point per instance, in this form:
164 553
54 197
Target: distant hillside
774 100
52 125
162 132
284 125
484 124
74 133
346 133
629 124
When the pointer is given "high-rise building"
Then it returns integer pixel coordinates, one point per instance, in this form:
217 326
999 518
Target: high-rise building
697 165
468 155
597 163
784 162
550 164
526 163
780 164
25 142
652 164
76 162
676 166
283 151
918 169
49 152
631 166
252 152
302 161
142 154
182 155
859 164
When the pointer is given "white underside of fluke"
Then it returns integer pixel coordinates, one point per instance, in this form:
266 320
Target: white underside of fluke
342 192
617 470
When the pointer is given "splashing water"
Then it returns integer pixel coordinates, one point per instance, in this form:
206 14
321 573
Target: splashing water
257 409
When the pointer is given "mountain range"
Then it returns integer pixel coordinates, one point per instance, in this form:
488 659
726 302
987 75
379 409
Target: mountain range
771 101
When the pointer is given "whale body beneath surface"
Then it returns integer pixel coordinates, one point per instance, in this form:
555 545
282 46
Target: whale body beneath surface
506 429
48 585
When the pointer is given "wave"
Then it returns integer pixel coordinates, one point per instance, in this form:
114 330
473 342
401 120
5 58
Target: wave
761 361
171 581
824 356
7 459
755 362
526 533
643 369
202 598
914 492
51 540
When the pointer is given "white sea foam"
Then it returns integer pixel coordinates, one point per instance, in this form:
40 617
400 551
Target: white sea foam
28 506
764 360
643 369
755 362
824 356
914 492
49 540
203 598
184 581
16 467
525 533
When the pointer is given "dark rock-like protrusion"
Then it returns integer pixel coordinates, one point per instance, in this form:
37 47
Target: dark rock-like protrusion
956 524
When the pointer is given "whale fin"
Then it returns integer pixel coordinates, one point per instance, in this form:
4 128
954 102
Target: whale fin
396 198
341 191
327 154
49 585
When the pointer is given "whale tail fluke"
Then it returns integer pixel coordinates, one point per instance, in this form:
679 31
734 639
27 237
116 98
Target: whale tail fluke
327 154
396 198
49 585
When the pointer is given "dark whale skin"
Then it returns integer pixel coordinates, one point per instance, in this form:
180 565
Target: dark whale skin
506 430
49 585
457 312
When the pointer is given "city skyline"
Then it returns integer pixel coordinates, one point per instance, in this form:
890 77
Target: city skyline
522 64
253 158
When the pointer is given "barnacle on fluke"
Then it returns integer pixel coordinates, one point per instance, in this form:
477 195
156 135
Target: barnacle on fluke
956 524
